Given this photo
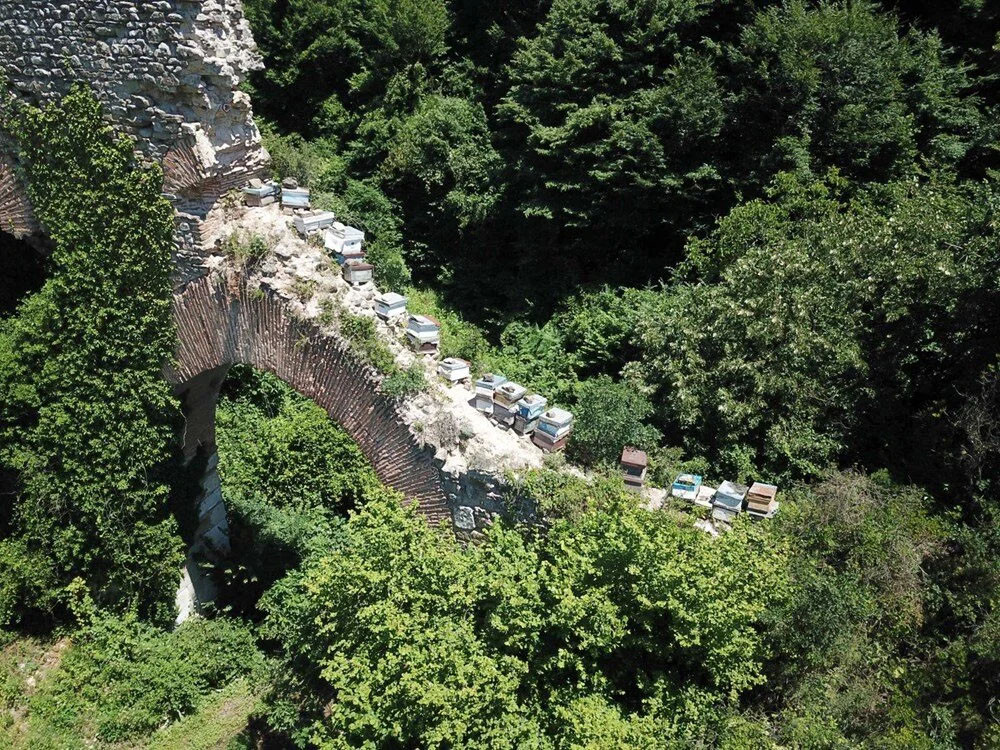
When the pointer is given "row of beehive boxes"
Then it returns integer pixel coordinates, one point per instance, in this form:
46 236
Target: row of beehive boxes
264 193
726 502
346 243
758 500
508 404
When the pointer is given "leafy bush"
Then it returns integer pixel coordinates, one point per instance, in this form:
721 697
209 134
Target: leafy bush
608 417
312 164
617 626
404 383
288 474
363 335
86 418
122 679
247 249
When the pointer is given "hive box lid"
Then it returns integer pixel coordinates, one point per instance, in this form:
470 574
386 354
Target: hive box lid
423 321
491 380
390 299
634 457
344 232
557 416
765 492
511 391
733 490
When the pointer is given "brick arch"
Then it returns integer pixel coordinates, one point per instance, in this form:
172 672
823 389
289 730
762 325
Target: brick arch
220 322
16 216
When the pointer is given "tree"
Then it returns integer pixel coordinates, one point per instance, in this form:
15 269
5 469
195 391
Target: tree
441 160
611 112
86 416
289 475
820 334
336 58
609 416
619 626
838 85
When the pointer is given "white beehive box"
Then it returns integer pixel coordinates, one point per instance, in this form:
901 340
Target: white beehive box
390 305
453 369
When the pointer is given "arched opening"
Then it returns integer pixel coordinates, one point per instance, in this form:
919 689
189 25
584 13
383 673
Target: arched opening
22 270
221 323
273 475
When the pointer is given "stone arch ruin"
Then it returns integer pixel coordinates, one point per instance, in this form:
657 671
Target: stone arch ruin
167 73
222 322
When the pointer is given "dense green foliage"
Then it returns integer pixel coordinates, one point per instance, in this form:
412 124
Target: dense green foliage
119 681
620 627
86 419
758 239
843 332
289 475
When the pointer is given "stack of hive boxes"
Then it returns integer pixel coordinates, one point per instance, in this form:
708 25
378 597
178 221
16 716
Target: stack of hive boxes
634 463
761 501
728 501
390 306
529 409
485 388
505 400
454 370
554 428
423 334
346 243
260 193
292 196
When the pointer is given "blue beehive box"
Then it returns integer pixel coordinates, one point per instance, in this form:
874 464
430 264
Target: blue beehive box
295 197
555 423
686 486
531 407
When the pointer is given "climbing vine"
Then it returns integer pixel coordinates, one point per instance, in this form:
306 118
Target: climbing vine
86 418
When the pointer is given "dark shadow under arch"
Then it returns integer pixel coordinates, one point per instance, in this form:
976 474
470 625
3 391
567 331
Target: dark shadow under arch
22 271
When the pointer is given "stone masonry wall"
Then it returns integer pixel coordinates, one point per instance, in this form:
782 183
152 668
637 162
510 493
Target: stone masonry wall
167 72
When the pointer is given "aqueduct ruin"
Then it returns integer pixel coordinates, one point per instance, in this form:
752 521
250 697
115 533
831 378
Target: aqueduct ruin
220 322
167 72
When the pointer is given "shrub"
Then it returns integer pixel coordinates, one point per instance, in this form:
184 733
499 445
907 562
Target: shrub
363 335
404 383
127 678
609 416
247 249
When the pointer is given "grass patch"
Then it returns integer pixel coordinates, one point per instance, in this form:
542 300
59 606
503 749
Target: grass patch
218 723
247 249
364 338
